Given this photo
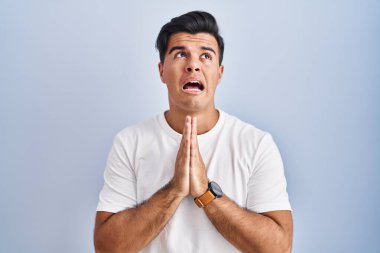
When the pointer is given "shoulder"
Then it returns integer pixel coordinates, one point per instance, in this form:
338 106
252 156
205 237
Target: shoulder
244 131
137 131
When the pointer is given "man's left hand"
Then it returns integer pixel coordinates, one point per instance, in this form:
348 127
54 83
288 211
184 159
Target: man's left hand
198 176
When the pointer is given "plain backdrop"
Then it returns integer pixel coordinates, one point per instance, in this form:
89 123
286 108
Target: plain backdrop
73 73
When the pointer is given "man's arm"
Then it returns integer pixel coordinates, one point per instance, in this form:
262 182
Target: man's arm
270 232
131 230
251 232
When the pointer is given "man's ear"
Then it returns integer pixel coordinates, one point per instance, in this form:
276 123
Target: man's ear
161 71
221 71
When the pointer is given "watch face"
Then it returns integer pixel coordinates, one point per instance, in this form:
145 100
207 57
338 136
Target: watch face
215 188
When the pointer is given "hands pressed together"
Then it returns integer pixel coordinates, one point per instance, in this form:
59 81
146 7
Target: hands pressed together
133 228
190 171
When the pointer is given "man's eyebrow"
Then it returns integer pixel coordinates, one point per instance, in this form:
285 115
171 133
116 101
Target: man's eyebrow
208 49
183 48
176 48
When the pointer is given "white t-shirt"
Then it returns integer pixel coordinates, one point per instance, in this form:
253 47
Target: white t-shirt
242 159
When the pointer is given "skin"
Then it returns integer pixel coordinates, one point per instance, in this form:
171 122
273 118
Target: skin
192 56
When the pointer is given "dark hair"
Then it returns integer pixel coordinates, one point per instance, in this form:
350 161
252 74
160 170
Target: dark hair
192 22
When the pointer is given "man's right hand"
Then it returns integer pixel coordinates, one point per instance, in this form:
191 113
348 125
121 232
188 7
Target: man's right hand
132 229
181 178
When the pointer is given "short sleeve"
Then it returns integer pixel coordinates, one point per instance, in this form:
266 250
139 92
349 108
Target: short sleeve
119 189
267 183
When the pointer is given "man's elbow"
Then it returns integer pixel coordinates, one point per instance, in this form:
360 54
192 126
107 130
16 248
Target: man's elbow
98 243
102 245
283 247
286 245
287 249
283 244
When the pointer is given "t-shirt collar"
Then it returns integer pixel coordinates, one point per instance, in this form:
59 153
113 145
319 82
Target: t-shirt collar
201 137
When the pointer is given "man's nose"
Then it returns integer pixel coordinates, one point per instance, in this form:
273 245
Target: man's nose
192 65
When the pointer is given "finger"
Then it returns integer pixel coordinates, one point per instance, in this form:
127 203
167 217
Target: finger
188 137
194 125
183 139
185 129
182 145
194 141
185 142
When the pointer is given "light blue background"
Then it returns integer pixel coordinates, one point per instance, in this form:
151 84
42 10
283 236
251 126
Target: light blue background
73 73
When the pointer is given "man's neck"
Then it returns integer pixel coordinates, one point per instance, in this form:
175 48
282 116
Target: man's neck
206 119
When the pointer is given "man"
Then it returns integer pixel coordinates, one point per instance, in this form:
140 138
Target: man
193 179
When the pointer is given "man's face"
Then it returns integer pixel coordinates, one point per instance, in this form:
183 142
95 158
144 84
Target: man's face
191 71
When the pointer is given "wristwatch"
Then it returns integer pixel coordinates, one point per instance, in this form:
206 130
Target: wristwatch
213 191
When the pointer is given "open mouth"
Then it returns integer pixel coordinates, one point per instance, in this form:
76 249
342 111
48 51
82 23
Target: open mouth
193 87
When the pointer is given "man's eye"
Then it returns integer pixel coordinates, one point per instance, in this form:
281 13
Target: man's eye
206 56
180 54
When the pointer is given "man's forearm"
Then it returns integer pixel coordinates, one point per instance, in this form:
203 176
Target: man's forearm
132 229
246 230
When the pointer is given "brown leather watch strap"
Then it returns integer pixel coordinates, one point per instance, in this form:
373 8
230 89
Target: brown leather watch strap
204 199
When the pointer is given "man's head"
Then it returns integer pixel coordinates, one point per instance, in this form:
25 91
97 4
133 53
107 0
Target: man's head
190 61
192 22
